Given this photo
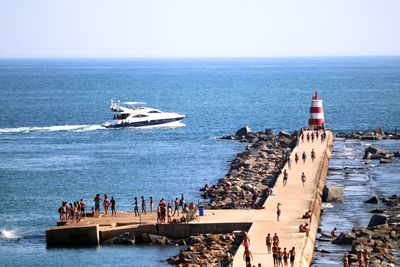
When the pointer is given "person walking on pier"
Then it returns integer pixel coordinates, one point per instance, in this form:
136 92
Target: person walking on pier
143 205
285 257
247 256
292 256
302 137
151 204
278 211
182 203
275 240
285 177
136 207
296 158
289 163
304 157
113 203
246 241
308 137
268 242
312 155
274 254
303 179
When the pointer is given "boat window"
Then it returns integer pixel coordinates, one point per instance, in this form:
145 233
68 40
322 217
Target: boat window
140 116
154 111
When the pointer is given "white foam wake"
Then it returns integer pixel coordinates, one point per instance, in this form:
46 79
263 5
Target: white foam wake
9 234
58 128
173 124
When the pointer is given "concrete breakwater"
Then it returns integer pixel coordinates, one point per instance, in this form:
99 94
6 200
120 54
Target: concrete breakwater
224 223
252 171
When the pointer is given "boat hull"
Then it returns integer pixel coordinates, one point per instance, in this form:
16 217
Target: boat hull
143 123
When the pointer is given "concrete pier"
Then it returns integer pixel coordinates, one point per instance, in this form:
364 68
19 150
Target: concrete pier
295 201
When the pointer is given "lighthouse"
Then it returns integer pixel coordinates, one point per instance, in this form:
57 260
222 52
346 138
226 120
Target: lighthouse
316 120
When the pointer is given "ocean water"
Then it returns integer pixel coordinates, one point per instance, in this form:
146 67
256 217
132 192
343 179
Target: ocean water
52 147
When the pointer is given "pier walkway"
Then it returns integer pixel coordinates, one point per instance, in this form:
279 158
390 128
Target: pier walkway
295 201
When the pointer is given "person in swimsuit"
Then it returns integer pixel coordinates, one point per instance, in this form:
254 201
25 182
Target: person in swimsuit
366 259
176 209
169 212
279 257
136 207
182 202
345 261
151 204
143 205
312 155
275 240
278 211
113 205
285 257
289 163
82 205
285 177
274 254
268 242
308 137
247 257
292 255
106 203
333 232
302 138
246 240
312 137
303 179
304 157
296 158
97 201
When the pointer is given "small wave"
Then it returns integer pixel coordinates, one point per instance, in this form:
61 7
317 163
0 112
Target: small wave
9 234
58 128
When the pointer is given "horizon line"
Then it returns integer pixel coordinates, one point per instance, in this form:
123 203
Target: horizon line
206 57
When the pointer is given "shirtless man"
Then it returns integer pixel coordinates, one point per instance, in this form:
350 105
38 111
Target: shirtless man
113 204
303 179
333 232
268 242
292 255
285 177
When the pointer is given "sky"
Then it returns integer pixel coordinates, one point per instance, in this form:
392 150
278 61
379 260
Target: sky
198 28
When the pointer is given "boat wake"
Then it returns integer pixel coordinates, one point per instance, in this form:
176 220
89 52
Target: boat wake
58 128
80 128
9 234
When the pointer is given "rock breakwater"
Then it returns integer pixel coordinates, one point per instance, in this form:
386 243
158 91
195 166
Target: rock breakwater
252 171
377 134
378 240
209 250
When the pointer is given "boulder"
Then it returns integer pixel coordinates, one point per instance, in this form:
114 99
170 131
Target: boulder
243 131
345 238
377 219
372 200
385 160
285 134
269 132
332 194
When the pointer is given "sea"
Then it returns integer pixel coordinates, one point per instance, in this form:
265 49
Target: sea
53 148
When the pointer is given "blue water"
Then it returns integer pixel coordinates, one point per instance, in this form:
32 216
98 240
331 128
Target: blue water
52 147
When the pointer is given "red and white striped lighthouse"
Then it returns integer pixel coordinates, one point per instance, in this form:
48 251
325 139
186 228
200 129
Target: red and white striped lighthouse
316 120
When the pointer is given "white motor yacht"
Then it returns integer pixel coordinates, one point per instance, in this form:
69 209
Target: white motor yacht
135 114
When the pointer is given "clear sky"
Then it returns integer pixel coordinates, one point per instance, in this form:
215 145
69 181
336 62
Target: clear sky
198 28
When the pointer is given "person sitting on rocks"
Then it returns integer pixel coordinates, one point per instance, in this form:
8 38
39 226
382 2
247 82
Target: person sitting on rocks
360 257
333 232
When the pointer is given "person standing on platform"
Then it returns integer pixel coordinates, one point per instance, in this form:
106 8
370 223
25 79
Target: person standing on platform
296 158
113 203
292 256
136 207
304 157
151 204
285 177
303 179
278 211
268 242
143 205
312 155
106 203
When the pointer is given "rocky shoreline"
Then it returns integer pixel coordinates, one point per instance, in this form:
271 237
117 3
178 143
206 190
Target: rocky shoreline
252 171
379 238
377 134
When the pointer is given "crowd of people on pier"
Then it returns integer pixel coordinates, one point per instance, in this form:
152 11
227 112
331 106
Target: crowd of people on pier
75 211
